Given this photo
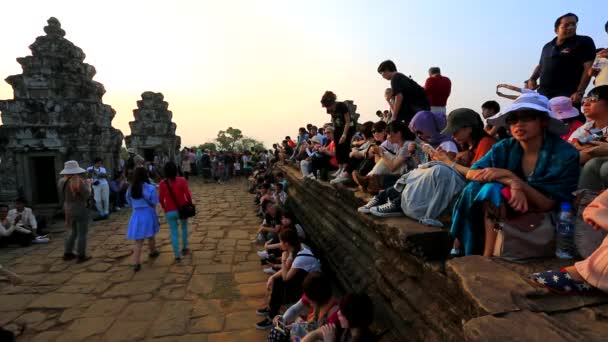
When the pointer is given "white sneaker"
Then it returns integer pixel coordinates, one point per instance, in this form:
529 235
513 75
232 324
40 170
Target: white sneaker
335 174
263 254
311 176
342 178
270 271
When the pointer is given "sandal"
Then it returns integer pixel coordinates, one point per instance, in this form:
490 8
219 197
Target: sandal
559 282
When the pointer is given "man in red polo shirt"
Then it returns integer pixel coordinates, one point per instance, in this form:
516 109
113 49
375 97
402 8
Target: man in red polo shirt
438 89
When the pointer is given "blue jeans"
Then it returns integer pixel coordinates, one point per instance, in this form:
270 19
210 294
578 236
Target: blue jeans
172 219
80 228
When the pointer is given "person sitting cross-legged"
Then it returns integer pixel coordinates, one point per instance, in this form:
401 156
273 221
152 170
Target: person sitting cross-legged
285 286
12 233
23 217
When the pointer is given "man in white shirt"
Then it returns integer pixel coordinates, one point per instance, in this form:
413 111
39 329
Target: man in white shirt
23 217
11 233
101 188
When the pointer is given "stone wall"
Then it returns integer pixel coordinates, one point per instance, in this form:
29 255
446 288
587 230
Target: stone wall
419 296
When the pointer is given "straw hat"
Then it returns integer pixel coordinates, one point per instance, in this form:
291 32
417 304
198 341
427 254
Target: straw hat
71 167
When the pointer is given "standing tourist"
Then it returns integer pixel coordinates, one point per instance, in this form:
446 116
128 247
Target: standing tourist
599 69
409 96
438 89
174 193
186 166
142 197
565 62
343 125
101 188
75 191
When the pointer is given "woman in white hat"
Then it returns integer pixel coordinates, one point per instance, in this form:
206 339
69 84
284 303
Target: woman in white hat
530 173
75 191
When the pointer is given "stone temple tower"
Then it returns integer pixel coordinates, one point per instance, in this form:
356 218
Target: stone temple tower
152 132
57 114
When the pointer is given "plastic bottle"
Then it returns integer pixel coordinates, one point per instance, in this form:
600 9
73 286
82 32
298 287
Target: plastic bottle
319 174
564 233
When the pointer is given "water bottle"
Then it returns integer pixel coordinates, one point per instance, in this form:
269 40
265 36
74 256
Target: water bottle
565 233
318 174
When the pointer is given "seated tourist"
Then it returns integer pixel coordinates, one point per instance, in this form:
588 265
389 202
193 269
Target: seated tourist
393 162
317 303
23 216
358 153
12 232
272 215
279 195
562 107
488 110
355 316
118 191
428 126
285 151
324 160
591 272
590 140
301 141
285 286
280 178
528 174
424 193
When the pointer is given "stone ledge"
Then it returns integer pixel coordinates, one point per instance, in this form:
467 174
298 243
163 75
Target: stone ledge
420 296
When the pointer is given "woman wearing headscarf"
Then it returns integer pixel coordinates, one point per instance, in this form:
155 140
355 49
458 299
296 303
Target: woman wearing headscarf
530 173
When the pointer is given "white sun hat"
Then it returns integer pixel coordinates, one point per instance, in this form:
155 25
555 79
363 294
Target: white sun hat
532 101
562 107
71 167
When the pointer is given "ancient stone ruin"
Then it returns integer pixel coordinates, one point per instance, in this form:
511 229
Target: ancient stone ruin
152 132
57 114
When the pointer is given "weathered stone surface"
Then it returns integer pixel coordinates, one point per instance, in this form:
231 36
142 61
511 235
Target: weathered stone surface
47 336
105 307
240 320
31 318
145 311
88 278
207 324
100 267
518 326
252 290
491 286
202 284
84 328
173 319
126 330
15 302
58 301
250 277
238 234
133 288
213 269
248 335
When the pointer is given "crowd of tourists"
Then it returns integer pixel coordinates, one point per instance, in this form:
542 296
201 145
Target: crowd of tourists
506 177
296 277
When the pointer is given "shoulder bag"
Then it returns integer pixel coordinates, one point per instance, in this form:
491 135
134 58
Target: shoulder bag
184 211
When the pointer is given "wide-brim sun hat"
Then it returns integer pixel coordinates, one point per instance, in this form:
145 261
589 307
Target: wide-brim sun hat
316 140
533 101
71 167
562 107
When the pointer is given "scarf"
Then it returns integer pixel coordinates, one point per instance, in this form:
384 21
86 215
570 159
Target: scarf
555 175
430 124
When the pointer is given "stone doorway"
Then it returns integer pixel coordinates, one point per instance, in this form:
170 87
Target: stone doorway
149 154
43 173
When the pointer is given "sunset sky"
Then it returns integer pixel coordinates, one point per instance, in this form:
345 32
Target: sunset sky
263 65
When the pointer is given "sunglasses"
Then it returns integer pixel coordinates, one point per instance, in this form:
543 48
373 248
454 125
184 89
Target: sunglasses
591 99
514 118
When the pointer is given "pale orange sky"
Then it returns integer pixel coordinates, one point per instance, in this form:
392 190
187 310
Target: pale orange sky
262 66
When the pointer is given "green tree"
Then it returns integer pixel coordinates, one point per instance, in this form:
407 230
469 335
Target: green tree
227 139
208 146
247 143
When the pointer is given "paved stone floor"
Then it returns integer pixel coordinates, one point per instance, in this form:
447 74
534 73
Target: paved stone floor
210 296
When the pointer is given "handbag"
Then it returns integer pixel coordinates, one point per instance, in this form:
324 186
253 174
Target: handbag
279 333
184 211
531 235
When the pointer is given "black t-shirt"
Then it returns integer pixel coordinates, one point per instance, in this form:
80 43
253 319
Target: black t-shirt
414 97
338 116
562 66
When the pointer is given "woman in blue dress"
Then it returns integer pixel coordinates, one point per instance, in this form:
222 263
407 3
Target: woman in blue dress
143 198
